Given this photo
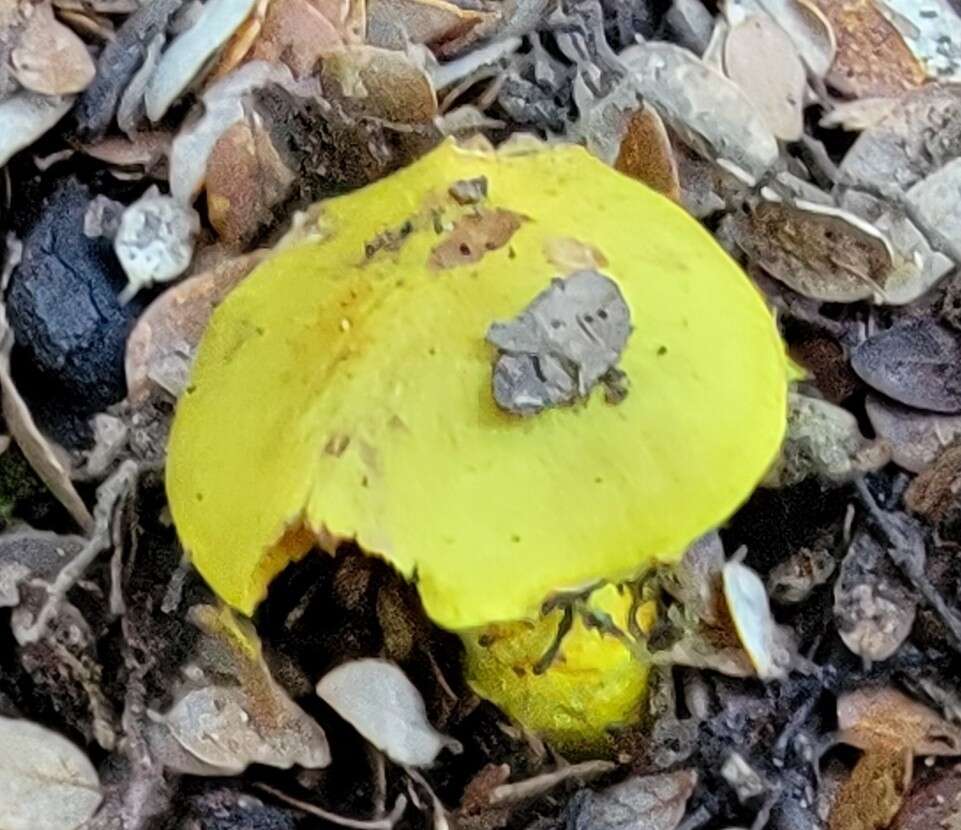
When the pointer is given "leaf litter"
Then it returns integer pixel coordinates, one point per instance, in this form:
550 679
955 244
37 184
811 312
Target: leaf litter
819 142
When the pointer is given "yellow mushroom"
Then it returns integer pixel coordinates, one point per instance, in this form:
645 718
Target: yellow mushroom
345 391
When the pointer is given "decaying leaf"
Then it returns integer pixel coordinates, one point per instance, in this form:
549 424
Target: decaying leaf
645 153
917 363
709 110
380 83
793 580
915 437
564 342
934 204
934 492
873 794
392 24
50 58
187 54
377 699
820 251
326 303
823 440
879 719
161 347
32 554
48 461
695 581
767 644
297 33
246 179
934 804
873 609
46 783
760 58
251 720
932 29
155 240
654 802
872 58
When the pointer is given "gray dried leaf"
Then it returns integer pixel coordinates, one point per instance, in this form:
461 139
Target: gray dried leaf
50 58
695 581
46 782
654 802
915 437
793 580
48 461
766 643
32 554
698 650
932 29
824 441
155 240
917 363
711 112
561 345
761 59
934 204
858 115
376 698
185 57
24 117
820 251
921 134
690 24
873 610
743 778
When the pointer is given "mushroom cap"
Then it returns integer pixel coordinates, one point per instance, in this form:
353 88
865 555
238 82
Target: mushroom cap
343 391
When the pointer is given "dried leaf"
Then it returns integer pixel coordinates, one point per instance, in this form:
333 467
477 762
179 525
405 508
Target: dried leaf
24 117
161 347
48 461
793 580
934 493
858 115
873 794
820 251
377 699
297 33
873 610
884 719
645 153
915 437
763 639
246 179
654 802
933 805
50 58
917 363
46 782
252 721
934 204
392 24
761 59
155 240
710 111
188 53
872 58
379 83
695 581
32 554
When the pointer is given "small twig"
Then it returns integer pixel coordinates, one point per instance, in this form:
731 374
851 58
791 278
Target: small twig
386 823
108 494
541 784
563 629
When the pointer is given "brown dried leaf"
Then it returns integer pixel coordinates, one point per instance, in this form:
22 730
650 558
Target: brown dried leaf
915 437
934 493
51 59
760 57
297 33
884 719
872 796
391 24
473 236
654 802
48 460
936 805
161 346
646 154
246 179
872 58
380 83
819 251
828 364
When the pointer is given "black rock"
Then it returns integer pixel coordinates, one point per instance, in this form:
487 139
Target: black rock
69 326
